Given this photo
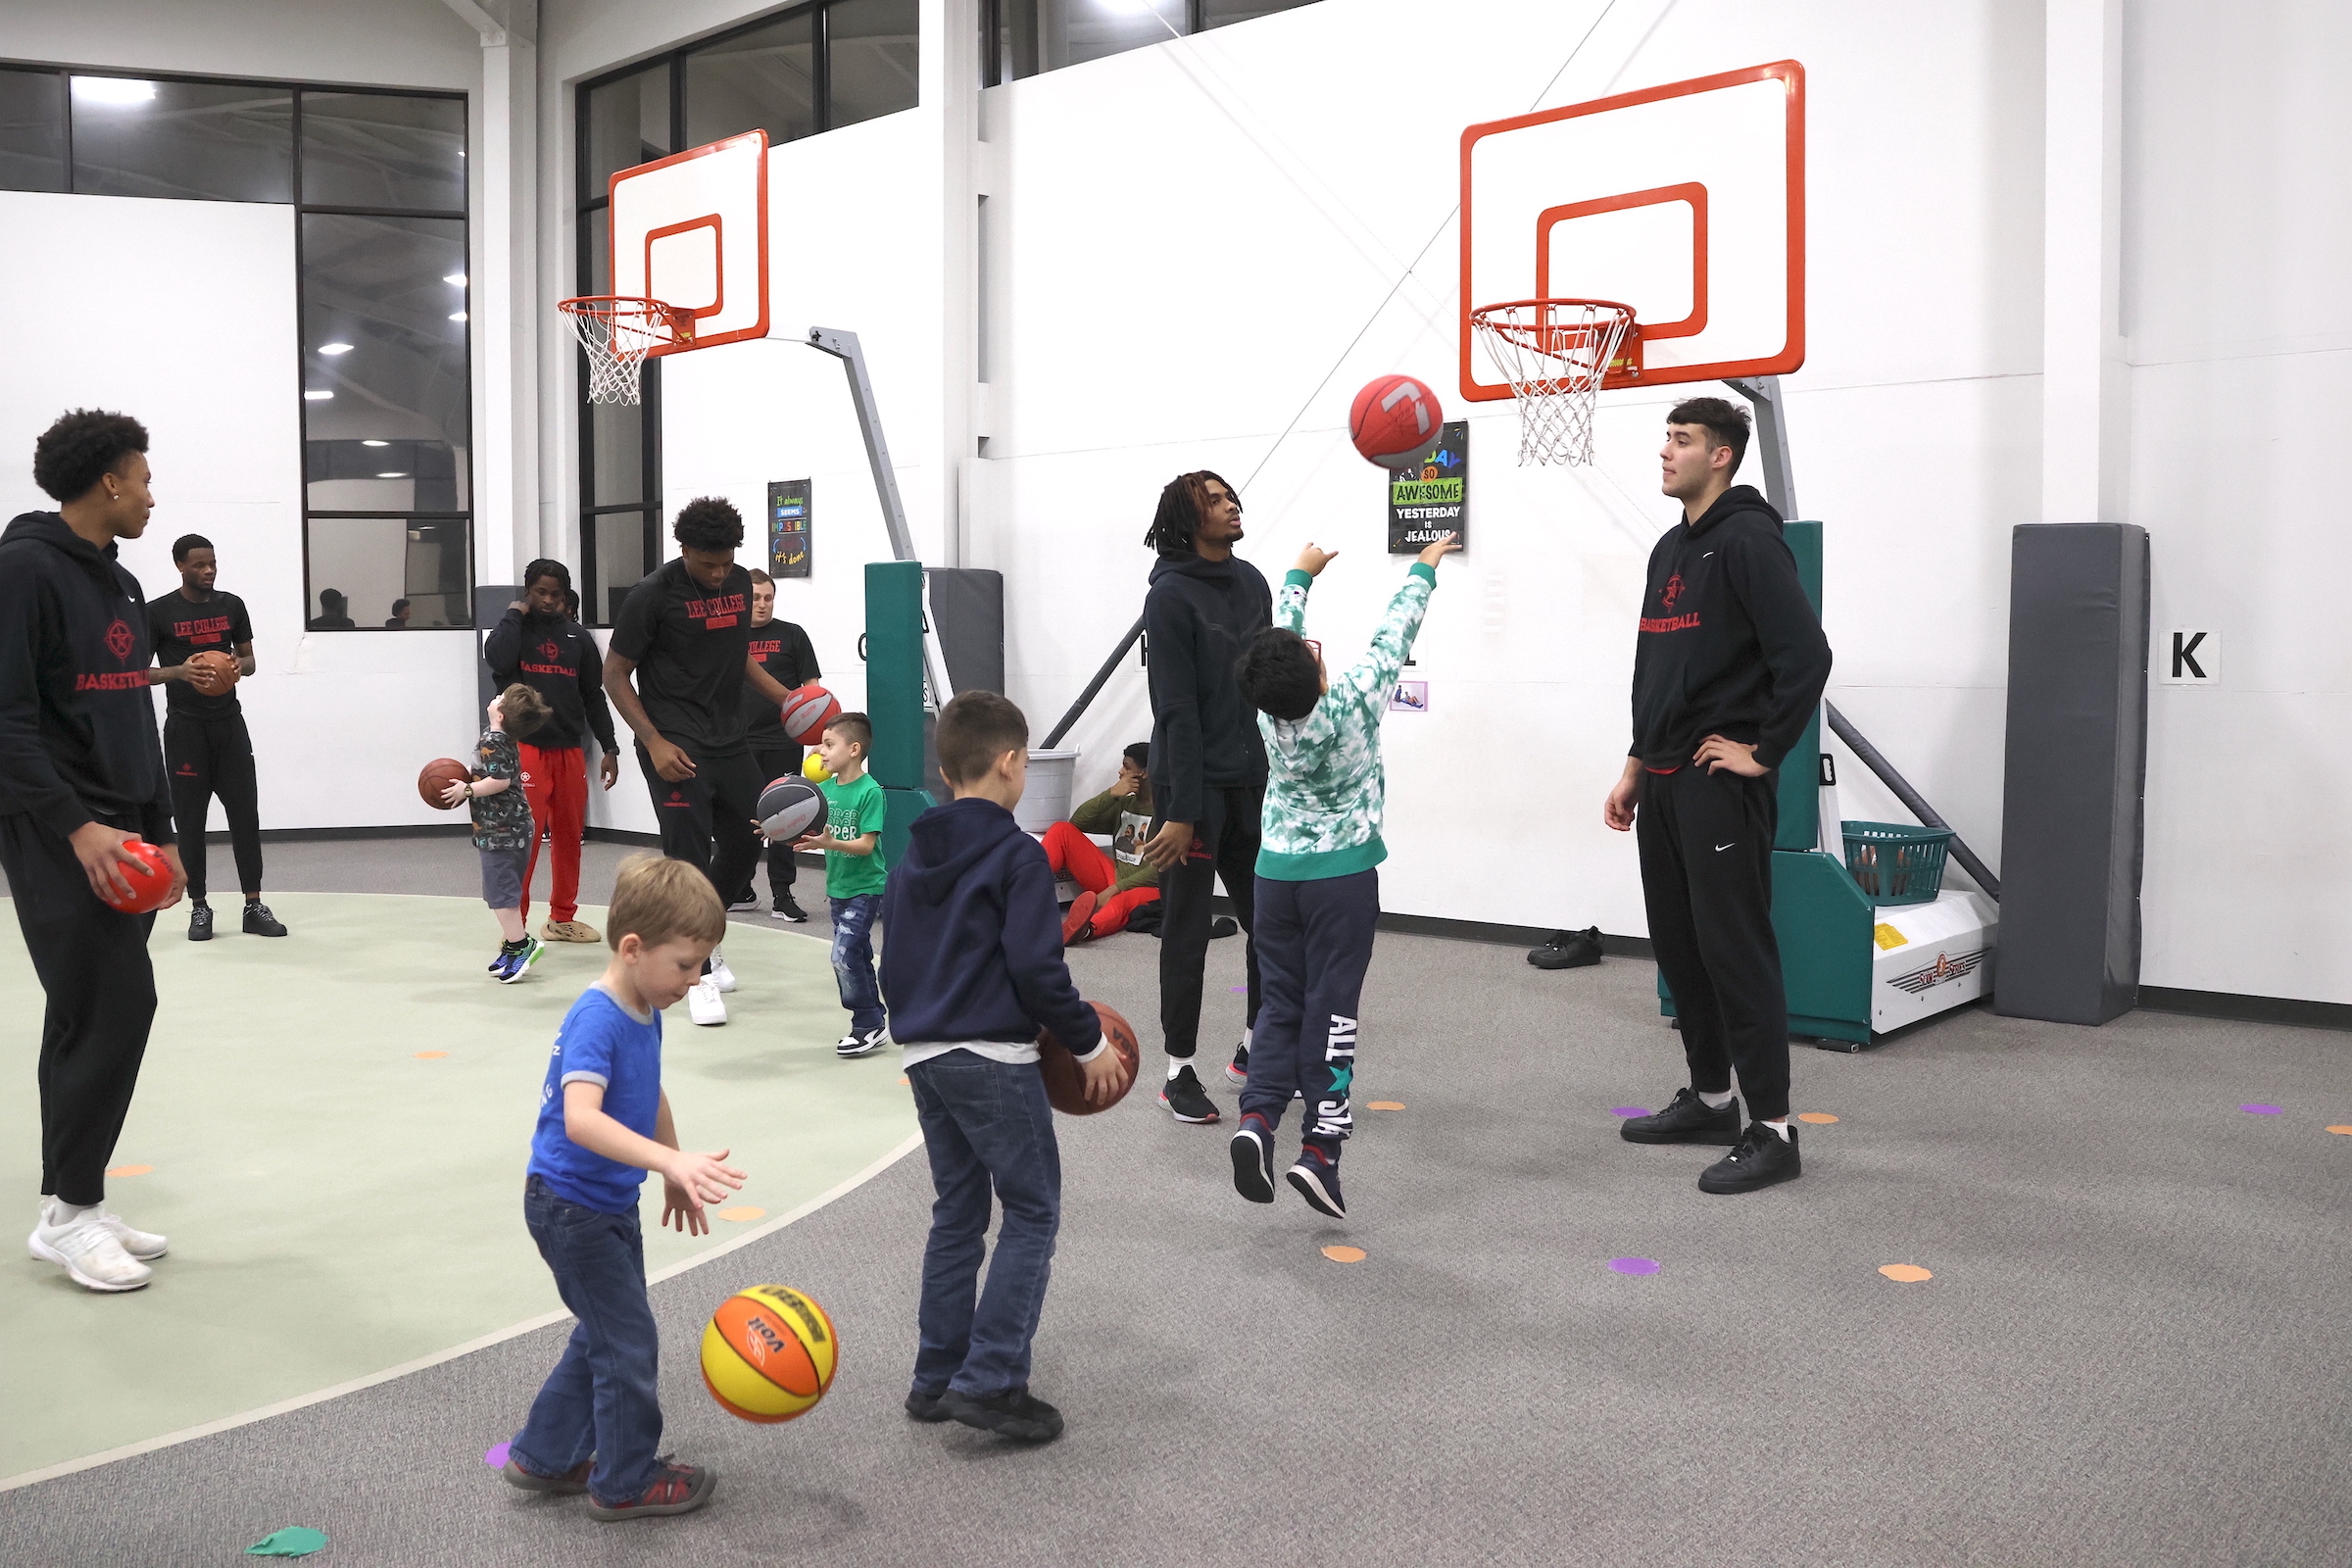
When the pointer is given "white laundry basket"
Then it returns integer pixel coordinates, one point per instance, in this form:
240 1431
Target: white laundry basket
1047 799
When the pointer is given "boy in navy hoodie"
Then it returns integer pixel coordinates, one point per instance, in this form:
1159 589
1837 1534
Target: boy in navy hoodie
972 970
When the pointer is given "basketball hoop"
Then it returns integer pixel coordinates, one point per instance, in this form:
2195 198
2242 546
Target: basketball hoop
1555 355
619 331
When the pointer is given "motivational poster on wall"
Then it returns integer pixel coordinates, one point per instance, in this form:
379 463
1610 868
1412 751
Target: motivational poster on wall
788 528
1431 497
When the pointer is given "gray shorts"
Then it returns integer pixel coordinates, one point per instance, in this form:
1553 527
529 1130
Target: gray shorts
502 877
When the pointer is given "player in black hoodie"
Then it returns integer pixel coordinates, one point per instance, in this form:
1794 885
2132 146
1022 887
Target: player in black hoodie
1728 666
81 772
1208 762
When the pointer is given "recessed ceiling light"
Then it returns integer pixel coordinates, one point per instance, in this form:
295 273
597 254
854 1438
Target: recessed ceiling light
113 90
317 396
375 443
454 279
457 316
334 348
391 476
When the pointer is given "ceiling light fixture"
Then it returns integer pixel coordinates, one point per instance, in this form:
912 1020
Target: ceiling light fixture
113 90
334 348
391 476
457 316
455 280
375 443
316 395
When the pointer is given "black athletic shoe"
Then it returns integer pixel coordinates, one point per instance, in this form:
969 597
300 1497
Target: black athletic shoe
1318 1178
1224 925
1016 1414
260 922
928 1408
1568 950
1761 1158
1685 1120
1185 1099
1237 1071
200 923
1253 1161
787 909
741 903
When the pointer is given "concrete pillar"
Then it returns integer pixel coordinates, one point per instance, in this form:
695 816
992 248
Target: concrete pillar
2086 396
950 80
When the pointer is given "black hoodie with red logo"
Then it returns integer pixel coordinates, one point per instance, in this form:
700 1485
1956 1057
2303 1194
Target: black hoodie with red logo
77 737
1729 643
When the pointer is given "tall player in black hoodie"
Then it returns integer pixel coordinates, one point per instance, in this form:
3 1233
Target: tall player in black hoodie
81 772
1208 762
1728 666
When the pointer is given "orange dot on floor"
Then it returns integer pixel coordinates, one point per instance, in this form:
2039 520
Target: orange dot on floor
2340 1129
128 1170
1344 1254
1906 1273
742 1212
430 1055
902 1078
1386 1105
1819 1118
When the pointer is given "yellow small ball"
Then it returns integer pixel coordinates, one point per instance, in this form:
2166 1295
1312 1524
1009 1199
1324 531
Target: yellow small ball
814 769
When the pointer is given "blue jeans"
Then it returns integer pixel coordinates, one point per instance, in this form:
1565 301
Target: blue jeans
603 1397
853 959
985 1123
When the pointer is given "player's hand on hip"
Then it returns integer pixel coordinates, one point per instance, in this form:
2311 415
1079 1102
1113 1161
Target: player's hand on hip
1443 544
1716 754
1313 560
1166 847
100 851
671 762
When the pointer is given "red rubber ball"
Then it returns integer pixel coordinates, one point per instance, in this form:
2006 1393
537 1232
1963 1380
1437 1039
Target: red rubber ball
1393 420
149 880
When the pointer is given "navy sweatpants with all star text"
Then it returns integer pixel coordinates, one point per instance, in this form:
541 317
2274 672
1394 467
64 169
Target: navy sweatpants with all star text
1315 943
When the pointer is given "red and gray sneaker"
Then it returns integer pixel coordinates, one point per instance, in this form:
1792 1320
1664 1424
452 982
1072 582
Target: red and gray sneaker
676 1488
572 1483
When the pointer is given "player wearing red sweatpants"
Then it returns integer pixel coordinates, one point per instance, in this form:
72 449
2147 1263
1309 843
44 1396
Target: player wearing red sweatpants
1075 855
1112 887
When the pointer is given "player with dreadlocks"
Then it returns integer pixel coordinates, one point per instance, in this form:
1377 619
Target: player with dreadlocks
1208 764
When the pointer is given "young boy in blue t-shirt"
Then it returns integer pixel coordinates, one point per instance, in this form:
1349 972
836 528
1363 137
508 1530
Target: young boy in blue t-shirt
604 1122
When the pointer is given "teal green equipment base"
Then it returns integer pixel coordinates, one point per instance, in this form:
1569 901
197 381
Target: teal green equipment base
893 696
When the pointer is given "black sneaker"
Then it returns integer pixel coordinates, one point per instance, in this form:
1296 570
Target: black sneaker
1253 1161
200 923
260 922
1237 1071
741 903
1316 1176
787 909
1761 1158
1016 1414
928 1408
854 1043
1568 950
1685 1120
1185 1099
1224 925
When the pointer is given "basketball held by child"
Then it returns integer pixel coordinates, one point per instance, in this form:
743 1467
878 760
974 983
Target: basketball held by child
808 710
439 776
1393 420
1065 1080
149 876
768 1353
789 809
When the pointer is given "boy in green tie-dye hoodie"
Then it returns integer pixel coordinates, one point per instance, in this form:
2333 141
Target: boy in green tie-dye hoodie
1318 892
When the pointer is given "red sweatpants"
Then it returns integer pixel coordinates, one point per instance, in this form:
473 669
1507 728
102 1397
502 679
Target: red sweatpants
555 783
1072 853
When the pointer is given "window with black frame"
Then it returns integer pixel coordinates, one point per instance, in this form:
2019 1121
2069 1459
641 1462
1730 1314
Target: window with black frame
799 72
1024 38
378 181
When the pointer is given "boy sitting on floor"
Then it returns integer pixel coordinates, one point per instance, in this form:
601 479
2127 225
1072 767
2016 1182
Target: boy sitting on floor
1113 886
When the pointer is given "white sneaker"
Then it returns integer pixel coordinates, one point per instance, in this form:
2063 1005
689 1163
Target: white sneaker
87 1249
720 975
145 1245
703 1005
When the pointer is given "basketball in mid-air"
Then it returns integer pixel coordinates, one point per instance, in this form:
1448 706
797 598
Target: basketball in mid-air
439 776
150 879
1065 1080
790 809
1393 420
768 1353
807 713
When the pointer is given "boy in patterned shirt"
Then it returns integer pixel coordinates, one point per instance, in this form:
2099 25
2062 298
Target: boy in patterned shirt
502 822
1318 892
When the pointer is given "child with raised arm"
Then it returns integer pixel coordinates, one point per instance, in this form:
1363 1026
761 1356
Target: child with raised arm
502 829
604 1122
1318 894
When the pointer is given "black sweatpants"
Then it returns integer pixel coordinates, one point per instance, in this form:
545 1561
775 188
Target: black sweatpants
92 962
1706 877
1224 845
772 763
1315 943
707 819
209 757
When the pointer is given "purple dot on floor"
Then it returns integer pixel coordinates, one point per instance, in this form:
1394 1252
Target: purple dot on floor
1633 1266
2264 1111
495 1456
1628 1110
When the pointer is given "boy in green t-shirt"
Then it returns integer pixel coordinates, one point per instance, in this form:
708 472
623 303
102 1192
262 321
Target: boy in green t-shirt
855 872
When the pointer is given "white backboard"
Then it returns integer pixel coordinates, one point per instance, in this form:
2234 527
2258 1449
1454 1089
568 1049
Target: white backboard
691 230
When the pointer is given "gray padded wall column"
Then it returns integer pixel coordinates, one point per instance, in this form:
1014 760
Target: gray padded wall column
967 610
2075 773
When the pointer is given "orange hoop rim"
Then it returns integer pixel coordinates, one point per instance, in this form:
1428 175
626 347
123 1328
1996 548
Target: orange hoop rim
677 323
1480 319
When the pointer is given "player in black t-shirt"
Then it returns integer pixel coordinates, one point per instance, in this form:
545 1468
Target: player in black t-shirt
784 650
206 748
685 633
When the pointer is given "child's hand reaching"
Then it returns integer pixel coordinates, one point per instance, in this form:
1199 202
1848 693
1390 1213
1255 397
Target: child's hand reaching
1105 1076
1443 544
1312 561
689 1181
679 1209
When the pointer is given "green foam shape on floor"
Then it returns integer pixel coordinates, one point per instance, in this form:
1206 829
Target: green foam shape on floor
295 1541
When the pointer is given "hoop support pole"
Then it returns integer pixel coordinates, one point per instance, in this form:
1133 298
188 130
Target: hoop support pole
1772 434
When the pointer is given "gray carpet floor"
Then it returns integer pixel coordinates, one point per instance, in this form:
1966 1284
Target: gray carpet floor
2134 1350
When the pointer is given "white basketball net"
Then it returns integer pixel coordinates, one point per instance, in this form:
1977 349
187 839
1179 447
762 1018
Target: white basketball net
1554 354
617 333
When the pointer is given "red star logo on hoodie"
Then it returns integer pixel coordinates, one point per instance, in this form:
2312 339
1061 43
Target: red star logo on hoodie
1672 591
118 640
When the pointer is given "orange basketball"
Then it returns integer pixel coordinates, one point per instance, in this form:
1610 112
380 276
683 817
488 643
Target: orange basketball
769 1354
1065 1080
439 774
223 666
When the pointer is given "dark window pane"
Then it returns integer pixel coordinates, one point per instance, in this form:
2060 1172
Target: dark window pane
377 150
409 476
600 253
32 130
385 337
1225 13
181 138
617 444
764 80
871 54
621 553
362 567
628 123
1090 30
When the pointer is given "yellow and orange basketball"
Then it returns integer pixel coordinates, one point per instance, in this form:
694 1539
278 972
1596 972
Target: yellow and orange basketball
768 1353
